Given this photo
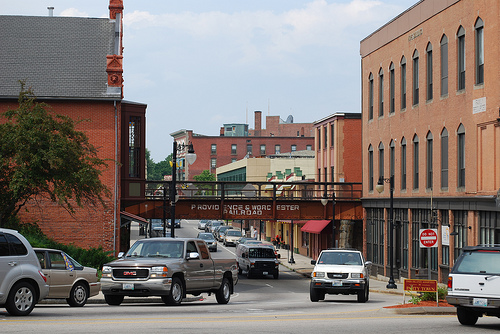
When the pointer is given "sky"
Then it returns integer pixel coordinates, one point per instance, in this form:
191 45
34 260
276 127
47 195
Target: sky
199 64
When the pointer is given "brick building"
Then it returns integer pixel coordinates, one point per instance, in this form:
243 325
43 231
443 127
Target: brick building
217 151
430 108
74 65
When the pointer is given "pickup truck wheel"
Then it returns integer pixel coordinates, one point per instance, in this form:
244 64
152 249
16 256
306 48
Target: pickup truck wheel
466 317
249 273
176 293
276 275
78 296
240 271
113 299
224 293
316 294
363 294
21 299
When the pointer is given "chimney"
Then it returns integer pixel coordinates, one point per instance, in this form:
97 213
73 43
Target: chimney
51 11
258 123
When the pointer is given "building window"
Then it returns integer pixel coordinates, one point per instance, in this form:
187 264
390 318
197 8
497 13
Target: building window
249 149
444 65
293 148
134 146
479 52
461 155
381 93
332 135
332 174
375 235
233 148
309 148
461 58
489 226
460 226
214 149
381 160
392 158
403 83
392 86
415 78
262 149
325 135
444 159
415 240
319 138
370 168
429 71
403 164
277 149
429 160
213 162
370 97
415 162
233 160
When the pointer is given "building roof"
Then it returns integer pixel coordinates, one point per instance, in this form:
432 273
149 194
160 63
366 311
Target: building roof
59 57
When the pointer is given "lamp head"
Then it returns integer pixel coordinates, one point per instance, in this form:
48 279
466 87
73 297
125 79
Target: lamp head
190 155
324 201
380 185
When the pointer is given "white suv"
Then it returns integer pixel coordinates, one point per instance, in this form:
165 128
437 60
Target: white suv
340 271
22 283
474 284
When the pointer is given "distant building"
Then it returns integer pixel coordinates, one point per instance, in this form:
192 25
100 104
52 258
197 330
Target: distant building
430 101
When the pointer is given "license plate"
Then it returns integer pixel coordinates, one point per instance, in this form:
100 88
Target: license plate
480 302
337 283
128 286
264 273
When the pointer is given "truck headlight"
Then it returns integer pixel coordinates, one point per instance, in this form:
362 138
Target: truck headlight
356 275
159 271
106 271
318 274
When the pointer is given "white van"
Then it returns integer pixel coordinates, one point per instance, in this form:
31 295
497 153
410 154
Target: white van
257 259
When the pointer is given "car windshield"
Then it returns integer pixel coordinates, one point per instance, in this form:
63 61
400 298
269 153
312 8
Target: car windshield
479 262
233 233
340 258
160 248
206 236
261 253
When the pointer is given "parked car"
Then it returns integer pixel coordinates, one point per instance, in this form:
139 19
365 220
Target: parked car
209 240
221 231
230 237
202 223
67 279
22 282
473 284
340 271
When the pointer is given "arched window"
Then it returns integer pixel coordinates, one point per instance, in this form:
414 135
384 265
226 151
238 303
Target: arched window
444 159
391 88
461 58
415 162
444 65
428 51
403 83
370 168
461 155
381 93
415 78
429 162
370 96
381 160
392 157
403 164
478 27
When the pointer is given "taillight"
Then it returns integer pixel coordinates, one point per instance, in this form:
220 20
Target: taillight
43 276
450 282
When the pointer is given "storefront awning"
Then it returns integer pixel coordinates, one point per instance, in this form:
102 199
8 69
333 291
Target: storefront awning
127 218
315 226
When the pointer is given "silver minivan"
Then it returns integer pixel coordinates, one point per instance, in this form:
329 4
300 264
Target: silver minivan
22 283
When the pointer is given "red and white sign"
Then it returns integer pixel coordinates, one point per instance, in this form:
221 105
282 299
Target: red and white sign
428 238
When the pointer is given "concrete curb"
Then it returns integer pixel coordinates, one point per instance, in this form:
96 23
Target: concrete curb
445 310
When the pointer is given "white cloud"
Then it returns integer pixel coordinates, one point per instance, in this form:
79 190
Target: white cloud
73 12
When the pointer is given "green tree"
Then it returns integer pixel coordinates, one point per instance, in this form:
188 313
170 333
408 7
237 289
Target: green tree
42 155
205 176
156 171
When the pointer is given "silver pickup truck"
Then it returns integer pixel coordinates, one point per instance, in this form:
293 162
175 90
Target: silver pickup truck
169 268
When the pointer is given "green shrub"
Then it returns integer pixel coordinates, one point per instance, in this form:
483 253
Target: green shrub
431 296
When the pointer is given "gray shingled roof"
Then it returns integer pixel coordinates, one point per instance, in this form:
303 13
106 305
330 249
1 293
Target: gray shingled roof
59 57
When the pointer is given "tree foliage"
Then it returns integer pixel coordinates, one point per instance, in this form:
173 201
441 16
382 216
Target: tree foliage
156 171
205 176
42 155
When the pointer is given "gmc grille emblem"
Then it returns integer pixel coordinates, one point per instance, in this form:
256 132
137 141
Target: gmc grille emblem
129 273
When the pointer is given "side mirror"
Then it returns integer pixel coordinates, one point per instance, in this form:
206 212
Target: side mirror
313 262
193 256
368 263
279 256
120 255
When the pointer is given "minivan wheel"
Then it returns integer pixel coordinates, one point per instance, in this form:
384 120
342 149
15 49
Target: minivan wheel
21 299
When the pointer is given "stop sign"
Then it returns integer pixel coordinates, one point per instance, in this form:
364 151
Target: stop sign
428 238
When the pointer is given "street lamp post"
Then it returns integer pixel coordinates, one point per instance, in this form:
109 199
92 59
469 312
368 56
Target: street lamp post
292 260
324 201
190 158
380 188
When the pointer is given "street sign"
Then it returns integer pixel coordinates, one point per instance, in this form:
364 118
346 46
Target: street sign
428 238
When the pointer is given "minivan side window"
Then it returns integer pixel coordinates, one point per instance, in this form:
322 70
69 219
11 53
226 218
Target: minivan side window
16 245
4 246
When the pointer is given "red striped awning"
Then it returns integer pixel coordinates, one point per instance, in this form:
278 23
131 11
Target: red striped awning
315 226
